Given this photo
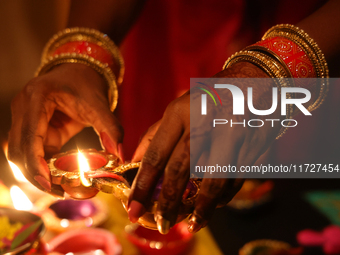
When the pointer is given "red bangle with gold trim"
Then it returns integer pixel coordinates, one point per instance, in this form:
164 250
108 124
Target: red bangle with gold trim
289 54
87 48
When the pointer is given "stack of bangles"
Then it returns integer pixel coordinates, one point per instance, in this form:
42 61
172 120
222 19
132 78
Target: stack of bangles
284 52
89 47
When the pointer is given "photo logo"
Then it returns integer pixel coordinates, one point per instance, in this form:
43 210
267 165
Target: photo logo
204 97
239 99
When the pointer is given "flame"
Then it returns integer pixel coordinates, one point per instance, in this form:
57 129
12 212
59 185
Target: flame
20 200
83 167
15 169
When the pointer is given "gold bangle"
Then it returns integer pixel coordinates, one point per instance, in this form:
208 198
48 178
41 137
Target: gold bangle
266 63
271 67
306 38
272 54
300 37
98 66
88 35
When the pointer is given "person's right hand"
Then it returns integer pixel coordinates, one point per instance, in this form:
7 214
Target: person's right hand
50 110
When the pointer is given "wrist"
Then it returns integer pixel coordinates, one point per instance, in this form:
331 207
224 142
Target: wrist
288 53
87 47
78 76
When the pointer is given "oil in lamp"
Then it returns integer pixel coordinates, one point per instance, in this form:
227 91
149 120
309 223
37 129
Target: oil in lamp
83 173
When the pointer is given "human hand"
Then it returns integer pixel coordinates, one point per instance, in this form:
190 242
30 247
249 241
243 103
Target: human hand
50 110
165 149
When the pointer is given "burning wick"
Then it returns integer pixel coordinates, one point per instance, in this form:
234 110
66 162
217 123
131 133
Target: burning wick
83 167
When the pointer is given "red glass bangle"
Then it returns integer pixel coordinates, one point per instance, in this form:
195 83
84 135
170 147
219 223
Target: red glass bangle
87 48
291 54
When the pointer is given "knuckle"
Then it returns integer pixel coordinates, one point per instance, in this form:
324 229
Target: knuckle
170 191
142 184
31 87
178 109
27 134
176 169
173 108
153 159
164 205
214 188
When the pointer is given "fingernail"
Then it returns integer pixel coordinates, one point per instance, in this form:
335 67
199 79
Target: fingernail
43 169
135 210
163 225
194 227
43 182
196 223
107 143
121 152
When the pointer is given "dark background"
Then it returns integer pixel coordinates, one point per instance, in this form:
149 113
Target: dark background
281 219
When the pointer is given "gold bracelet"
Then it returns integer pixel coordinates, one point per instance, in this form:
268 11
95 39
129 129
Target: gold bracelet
98 66
88 35
272 54
301 38
272 68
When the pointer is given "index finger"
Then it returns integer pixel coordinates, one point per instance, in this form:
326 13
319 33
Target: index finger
33 133
153 164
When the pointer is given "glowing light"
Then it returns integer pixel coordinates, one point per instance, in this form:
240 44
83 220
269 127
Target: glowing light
83 167
17 172
64 223
15 169
20 200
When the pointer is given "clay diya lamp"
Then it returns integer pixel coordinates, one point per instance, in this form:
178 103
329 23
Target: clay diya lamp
68 214
105 174
14 222
85 241
151 242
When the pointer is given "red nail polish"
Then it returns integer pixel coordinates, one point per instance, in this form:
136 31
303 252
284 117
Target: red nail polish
43 182
44 167
136 210
108 144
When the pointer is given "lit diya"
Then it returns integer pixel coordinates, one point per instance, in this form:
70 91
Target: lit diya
85 241
151 242
82 174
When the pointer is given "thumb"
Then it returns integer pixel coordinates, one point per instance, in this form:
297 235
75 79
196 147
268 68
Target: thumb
145 142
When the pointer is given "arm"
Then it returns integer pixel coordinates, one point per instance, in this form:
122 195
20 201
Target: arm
163 149
55 106
323 26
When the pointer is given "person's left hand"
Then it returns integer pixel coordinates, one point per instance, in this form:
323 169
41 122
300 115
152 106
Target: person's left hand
165 149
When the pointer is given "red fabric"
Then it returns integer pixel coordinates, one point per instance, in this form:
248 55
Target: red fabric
174 41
